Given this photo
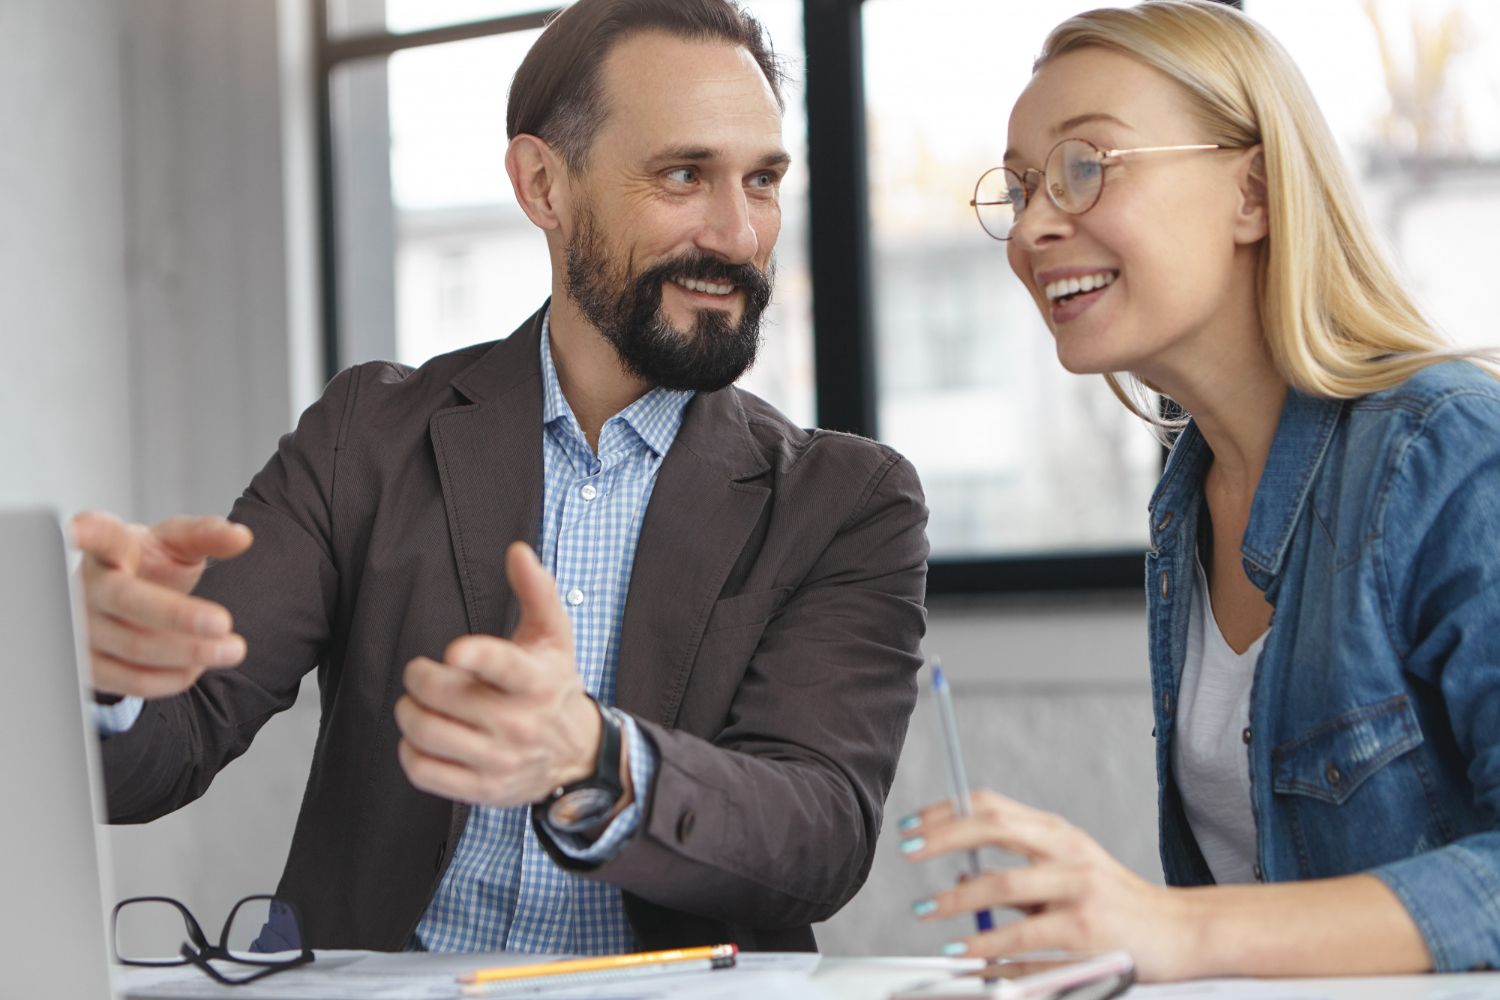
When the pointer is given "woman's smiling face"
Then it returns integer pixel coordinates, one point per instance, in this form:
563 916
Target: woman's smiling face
1168 239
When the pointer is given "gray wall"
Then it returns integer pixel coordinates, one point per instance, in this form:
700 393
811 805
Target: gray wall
157 311
64 409
157 317
218 176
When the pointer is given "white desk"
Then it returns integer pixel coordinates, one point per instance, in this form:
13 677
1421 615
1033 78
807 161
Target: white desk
876 978
356 975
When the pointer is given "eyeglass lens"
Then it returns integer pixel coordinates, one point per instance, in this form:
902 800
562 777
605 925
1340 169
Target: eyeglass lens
1073 175
152 932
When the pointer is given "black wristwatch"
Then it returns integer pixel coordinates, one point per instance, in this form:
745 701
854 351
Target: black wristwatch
586 804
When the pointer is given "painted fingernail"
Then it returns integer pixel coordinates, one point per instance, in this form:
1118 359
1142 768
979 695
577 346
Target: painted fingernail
953 948
922 907
909 823
911 845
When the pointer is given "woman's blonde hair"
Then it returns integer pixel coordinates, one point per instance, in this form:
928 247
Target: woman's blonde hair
1336 317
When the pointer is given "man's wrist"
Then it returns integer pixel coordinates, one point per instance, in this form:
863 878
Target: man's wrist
585 805
590 725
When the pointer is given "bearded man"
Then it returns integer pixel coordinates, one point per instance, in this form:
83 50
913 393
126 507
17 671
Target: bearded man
611 655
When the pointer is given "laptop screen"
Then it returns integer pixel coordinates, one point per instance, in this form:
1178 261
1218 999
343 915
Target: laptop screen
52 858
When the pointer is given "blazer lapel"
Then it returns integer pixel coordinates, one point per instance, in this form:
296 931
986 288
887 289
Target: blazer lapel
701 514
489 458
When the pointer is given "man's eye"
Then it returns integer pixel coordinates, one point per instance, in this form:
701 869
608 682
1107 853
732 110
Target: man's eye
765 179
682 175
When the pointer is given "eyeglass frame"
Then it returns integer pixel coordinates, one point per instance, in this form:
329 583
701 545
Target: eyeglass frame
1107 159
199 952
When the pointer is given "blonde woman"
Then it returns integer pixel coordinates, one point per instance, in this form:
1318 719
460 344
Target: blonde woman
1324 572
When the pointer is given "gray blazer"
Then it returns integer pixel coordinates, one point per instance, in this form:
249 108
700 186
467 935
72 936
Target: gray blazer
768 648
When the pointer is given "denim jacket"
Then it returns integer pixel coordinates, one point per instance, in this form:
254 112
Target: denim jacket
1374 737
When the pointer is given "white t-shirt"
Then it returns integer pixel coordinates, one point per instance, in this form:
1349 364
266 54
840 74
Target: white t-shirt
1210 751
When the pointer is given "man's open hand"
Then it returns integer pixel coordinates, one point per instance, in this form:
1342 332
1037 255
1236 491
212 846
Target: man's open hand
147 636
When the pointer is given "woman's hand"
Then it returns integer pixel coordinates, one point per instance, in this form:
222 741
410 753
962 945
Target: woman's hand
1072 895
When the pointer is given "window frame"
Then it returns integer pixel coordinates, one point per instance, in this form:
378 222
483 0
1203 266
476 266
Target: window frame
839 256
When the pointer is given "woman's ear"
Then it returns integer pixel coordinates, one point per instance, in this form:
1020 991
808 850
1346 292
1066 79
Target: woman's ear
540 179
1252 216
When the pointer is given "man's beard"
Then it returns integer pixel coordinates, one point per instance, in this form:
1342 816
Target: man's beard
626 309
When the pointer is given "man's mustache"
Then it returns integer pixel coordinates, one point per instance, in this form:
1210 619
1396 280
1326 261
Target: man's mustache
755 283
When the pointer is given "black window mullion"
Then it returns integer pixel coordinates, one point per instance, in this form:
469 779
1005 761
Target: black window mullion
839 233
327 221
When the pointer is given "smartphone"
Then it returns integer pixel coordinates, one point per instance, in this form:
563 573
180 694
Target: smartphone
1052 977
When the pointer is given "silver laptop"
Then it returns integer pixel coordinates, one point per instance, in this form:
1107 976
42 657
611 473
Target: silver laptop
53 861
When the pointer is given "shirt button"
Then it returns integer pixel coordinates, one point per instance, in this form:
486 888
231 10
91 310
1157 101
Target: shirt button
1331 772
1245 735
588 492
1260 876
575 597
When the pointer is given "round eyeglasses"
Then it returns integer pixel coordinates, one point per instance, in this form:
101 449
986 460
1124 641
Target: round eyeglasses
1073 174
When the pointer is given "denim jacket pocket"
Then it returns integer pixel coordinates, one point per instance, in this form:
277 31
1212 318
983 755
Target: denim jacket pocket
1331 761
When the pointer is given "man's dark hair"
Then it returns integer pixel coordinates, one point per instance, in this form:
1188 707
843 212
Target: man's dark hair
557 94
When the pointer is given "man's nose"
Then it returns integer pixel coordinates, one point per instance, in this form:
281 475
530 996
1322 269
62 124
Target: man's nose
727 231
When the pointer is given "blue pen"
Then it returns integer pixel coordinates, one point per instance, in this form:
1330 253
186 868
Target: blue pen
958 781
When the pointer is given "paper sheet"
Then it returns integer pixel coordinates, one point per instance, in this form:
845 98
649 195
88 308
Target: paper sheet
358 975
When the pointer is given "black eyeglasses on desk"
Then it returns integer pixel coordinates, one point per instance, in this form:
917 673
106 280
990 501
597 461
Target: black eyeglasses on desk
263 933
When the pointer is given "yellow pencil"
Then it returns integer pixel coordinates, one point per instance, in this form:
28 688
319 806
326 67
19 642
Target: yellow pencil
717 955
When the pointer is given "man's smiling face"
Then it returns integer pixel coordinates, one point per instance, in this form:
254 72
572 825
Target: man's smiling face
677 210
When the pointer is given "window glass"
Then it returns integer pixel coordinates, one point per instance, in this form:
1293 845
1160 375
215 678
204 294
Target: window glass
354 17
1412 93
1017 455
433 248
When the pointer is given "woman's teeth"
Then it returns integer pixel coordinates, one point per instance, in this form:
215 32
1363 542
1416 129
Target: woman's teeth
706 287
1068 287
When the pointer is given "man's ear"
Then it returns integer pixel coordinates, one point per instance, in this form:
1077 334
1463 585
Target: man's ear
540 179
1252 216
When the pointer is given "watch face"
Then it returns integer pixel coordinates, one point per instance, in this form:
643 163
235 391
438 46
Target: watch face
581 809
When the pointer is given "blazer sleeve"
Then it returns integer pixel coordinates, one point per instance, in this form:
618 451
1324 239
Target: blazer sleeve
1440 592
281 594
773 823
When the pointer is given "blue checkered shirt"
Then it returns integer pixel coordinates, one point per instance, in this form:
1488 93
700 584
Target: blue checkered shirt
502 891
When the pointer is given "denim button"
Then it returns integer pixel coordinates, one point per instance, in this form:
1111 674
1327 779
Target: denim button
1166 704
1260 876
1166 519
1165 584
1331 772
1245 735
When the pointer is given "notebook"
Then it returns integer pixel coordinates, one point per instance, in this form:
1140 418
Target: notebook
53 859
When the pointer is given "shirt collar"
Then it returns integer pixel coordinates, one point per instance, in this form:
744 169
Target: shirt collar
1302 436
655 418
